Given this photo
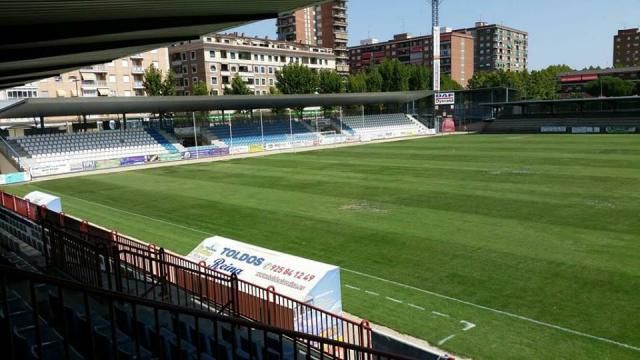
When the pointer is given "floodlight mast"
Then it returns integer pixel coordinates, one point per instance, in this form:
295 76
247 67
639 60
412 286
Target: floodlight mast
435 22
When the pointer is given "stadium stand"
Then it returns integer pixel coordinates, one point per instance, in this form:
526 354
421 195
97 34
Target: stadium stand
249 133
368 124
91 146
101 295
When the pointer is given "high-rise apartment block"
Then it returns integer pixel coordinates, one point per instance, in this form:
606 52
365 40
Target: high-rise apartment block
626 48
322 25
498 47
215 59
121 77
456 49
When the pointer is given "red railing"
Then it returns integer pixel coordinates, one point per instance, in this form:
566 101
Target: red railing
252 301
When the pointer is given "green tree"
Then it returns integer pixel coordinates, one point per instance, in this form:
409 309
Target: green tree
296 79
448 84
357 83
152 81
538 84
329 82
610 86
419 78
169 84
200 89
395 75
637 89
373 81
238 87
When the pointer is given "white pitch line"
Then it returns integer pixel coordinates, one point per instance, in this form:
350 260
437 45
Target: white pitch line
416 307
439 314
446 339
501 312
352 287
371 293
394 300
467 325
432 293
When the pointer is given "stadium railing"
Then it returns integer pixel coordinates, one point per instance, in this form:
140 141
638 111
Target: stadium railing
44 317
107 259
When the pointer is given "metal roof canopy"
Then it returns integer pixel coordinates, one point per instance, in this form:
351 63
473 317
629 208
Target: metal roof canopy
47 107
46 38
556 101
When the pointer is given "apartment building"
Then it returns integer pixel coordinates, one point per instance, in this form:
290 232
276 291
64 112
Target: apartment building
323 25
626 48
498 47
456 52
215 59
121 77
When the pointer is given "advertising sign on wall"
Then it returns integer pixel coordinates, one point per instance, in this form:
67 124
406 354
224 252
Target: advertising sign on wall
106 164
553 129
256 148
239 150
447 98
133 160
585 130
620 130
14 178
52 169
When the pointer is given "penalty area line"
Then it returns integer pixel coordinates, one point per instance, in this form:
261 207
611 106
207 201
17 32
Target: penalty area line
482 307
501 312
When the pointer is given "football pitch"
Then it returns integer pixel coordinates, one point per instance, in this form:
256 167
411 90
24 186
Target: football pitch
491 247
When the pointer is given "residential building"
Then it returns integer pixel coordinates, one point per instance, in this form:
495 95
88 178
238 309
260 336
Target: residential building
323 25
626 48
121 77
574 81
215 59
498 47
456 52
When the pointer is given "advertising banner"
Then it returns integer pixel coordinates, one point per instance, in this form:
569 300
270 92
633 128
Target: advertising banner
278 146
170 157
194 153
585 130
52 169
133 160
239 150
553 129
256 148
89 165
14 178
447 98
448 125
307 281
620 130
107 164
75 167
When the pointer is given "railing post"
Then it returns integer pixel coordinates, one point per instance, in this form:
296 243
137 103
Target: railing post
116 267
235 306
42 220
271 299
163 272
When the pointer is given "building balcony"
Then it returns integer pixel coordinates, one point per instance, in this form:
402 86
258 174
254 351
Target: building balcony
91 84
176 62
337 22
342 68
138 85
339 5
342 36
94 68
137 56
137 70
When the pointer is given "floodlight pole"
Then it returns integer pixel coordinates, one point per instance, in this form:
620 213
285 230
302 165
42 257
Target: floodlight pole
195 133
261 129
230 131
362 106
290 128
340 120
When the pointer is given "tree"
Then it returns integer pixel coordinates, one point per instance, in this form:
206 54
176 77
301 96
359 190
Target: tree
200 89
419 78
538 84
329 82
357 83
609 86
296 79
448 84
169 84
152 81
238 87
637 89
373 81
395 75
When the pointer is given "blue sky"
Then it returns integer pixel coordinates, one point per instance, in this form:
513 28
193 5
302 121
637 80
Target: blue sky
578 33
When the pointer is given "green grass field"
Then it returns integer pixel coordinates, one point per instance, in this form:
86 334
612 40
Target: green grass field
535 239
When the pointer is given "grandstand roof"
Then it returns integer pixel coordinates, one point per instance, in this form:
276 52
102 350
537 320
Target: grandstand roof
46 38
36 107
595 99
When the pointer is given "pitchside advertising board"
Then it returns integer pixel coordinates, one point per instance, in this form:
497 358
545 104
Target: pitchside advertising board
447 98
304 280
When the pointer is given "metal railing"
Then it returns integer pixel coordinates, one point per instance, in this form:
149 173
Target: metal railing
102 258
10 153
47 317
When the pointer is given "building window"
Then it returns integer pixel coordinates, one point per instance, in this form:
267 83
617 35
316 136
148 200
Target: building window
212 53
193 55
264 81
234 69
214 80
185 82
125 63
186 93
195 80
271 82
225 80
112 78
270 70
214 92
125 78
261 57
223 54
257 92
232 55
262 69
194 69
213 68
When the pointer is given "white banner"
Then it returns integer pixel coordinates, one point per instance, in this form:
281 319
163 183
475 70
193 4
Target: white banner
52 169
447 98
553 129
308 281
238 150
585 130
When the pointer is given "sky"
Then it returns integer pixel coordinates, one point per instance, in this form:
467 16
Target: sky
578 33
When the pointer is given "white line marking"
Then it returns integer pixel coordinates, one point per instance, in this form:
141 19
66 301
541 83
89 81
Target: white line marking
467 325
371 293
416 307
439 314
501 312
351 287
394 300
446 339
